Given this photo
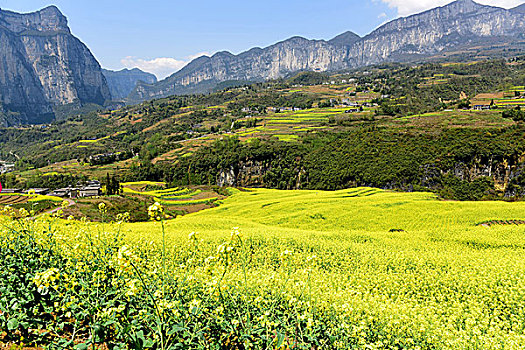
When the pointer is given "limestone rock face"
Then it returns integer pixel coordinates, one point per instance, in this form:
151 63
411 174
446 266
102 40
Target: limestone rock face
43 65
121 83
437 30
460 23
292 55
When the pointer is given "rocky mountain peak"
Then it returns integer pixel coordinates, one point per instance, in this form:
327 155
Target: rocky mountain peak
519 9
44 66
464 6
346 39
49 19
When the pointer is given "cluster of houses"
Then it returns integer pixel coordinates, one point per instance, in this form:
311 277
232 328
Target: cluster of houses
481 107
6 167
356 106
342 81
348 103
90 189
283 109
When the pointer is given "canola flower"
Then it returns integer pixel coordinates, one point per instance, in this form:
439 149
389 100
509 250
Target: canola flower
46 280
156 212
102 208
125 258
432 288
23 213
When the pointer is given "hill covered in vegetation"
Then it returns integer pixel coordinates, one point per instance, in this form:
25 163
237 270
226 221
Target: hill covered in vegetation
449 127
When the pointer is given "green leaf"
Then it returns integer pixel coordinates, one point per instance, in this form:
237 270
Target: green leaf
280 339
12 324
82 346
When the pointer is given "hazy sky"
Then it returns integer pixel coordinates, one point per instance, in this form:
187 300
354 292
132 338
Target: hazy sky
161 36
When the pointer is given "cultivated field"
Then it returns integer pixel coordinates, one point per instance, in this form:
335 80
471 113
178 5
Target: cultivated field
359 268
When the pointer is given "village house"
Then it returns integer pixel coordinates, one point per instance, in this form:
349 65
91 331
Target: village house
69 192
89 191
481 107
11 190
6 167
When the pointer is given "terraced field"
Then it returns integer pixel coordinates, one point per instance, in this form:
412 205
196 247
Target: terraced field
12 199
180 198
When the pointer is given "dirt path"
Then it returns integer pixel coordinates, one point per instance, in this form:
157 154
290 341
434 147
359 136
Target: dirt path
69 201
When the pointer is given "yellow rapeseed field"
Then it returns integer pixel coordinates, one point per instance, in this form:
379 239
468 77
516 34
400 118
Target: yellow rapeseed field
359 269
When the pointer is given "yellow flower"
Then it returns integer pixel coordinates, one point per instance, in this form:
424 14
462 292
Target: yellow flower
124 258
45 280
23 213
123 217
132 287
236 233
102 207
156 211
8 210
286 253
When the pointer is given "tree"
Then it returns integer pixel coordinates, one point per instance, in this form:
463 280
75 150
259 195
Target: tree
112 185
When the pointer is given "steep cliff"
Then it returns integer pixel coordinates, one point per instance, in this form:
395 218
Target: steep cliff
122 82
462 23
436 31
42 65
289 56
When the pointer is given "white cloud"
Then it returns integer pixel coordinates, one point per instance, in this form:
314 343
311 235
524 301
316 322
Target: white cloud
162 67
409 7
382 15
197 55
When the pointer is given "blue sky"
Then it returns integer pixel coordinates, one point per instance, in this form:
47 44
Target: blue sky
161 36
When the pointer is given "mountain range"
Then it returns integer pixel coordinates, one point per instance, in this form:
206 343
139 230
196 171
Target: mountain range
461 24
42 65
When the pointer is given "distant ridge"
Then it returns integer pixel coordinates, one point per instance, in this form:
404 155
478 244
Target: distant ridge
345 39
460 24
122 82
